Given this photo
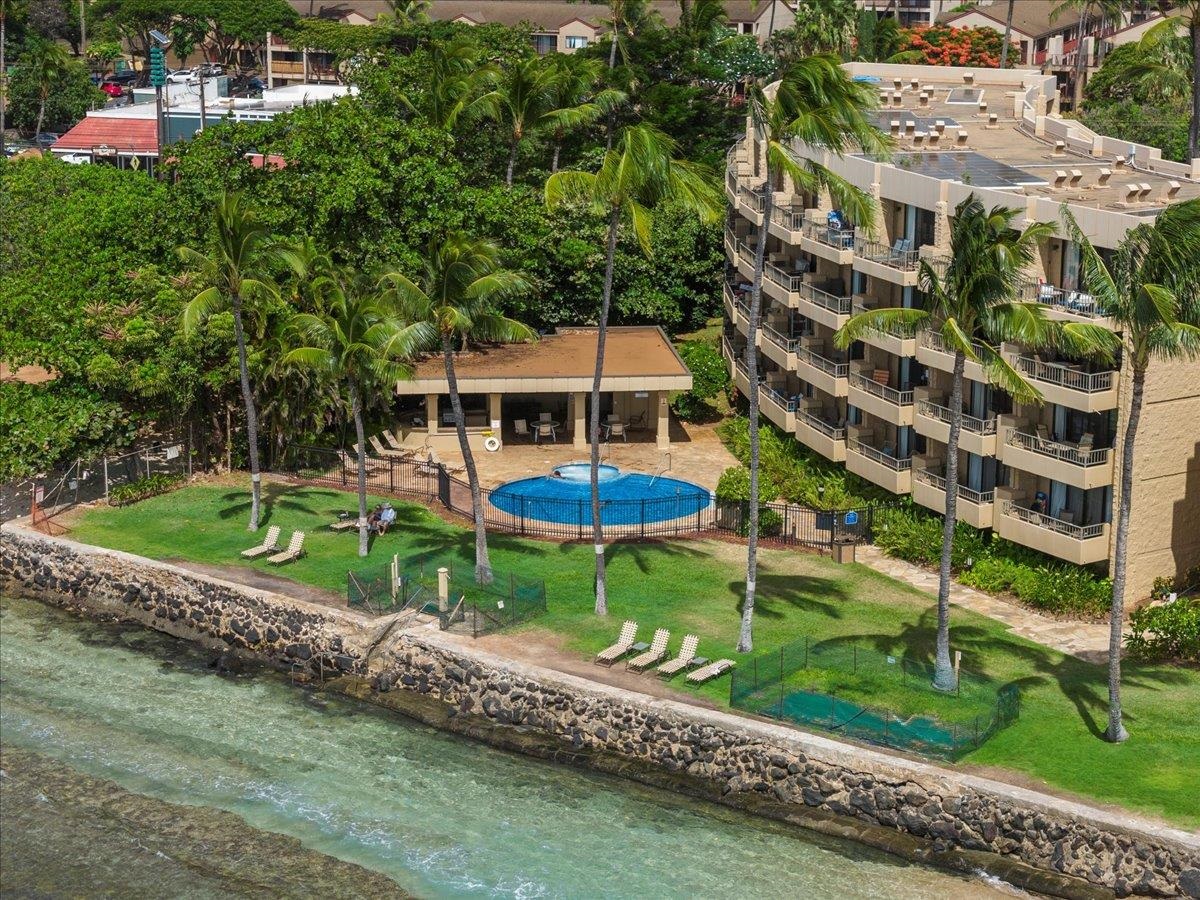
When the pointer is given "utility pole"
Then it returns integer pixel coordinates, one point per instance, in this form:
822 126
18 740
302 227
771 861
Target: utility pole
203 122
82 30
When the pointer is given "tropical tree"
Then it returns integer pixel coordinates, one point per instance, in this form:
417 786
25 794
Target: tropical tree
458 87
973 306
408 12
1007 34
574 87
358 339
47 63
1151 291
638 175
817 103
237 270
1089 11
452 301
627 19
1172 67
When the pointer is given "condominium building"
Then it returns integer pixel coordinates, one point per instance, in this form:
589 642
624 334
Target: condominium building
1041 475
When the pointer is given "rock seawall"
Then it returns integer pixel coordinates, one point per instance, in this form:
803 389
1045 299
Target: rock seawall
918 809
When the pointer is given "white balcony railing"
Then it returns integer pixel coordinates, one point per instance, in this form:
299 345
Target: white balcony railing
787 343
964 492
1041 520
1078 303
944 414
1058 450
837 305
826 428
884 459
888 394
894 257
824 363
1065 376
790 217
778 397
838 238
934 341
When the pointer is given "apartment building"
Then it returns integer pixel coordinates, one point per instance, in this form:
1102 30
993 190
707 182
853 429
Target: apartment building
1040 475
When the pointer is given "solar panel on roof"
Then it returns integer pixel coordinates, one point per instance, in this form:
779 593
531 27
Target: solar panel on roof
884 119
968 167
965 95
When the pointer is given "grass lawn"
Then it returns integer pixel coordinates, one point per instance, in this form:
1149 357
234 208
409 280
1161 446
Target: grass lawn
696 587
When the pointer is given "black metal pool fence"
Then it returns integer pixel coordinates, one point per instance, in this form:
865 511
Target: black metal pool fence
571 519
793 683
411 585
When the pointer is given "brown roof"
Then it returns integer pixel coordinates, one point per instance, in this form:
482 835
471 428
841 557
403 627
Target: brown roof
132 135
26 374
637 353
1030 17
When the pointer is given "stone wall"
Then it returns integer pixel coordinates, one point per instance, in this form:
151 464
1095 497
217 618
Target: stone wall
288 633
919 810
792 775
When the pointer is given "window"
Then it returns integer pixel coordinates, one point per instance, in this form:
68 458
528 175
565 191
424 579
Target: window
544 43
576 42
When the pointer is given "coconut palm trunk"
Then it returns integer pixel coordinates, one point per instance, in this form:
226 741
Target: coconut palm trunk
614 219
364 538
612 113
1194 128
1007 34
1080 64
483 565
943 672
558 139
239 335
745 636
42 95
1116 727
512 159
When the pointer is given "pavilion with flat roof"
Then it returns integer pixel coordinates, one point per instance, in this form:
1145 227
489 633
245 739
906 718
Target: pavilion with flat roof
507 385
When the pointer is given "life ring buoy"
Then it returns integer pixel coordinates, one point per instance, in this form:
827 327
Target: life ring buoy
491 444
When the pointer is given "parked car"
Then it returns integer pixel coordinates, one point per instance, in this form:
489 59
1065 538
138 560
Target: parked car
113 89
76 159
124 77
181 76
45 138
210 70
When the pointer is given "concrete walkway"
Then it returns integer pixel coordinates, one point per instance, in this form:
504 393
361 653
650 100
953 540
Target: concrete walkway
1086 640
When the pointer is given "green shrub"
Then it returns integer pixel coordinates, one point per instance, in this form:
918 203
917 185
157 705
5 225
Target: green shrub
150 486
1165 585
734 486
1166 632
709 378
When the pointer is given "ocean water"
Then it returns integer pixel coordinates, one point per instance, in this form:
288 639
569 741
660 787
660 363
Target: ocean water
137 771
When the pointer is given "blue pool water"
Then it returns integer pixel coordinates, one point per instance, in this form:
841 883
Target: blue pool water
626 498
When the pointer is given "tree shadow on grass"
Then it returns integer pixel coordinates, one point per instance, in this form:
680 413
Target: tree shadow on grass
645 554
285 497
774 594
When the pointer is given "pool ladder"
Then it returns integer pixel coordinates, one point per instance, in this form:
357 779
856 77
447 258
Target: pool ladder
662 467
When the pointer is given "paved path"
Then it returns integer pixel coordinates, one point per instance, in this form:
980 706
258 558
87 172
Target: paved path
1086 640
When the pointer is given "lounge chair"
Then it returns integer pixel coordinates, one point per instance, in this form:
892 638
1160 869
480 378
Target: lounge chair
270 544
610 655
658 649
346 524
687 652
1086 440
521 429
295 550
350 461
712 670
430 465
395 443
381 450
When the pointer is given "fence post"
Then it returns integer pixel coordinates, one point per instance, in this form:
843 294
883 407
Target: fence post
643 518
855 651
105 478
392 474
580 519
521 507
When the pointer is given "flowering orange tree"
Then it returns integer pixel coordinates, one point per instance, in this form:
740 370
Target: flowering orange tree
942 45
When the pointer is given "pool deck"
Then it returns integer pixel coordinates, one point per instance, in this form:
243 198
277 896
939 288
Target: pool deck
696 455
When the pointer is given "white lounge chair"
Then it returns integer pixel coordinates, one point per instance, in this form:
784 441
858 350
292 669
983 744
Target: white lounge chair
610 655
295 550
521 429
381 450
687 652
270 544
658 649
712 670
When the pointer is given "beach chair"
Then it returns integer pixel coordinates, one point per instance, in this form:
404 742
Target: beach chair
521 429
395 443
295 550
350 461
658 649
270 544
347 524
712 670
610 655
430 466
381 450
687 652
617 429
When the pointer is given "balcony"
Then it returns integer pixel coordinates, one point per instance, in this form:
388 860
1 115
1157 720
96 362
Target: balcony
778 407
824 437
778 346
933 352
896 264
1064 305
902 342
976 436
1081 467
823 306
780 283
1069 385
731 303
821 372
878 467
976 508
832 244
1080 544
787 223
881 401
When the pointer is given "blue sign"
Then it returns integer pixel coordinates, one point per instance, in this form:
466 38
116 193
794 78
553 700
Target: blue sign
851 518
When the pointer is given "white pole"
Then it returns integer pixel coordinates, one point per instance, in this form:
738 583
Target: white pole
270 67
443 589
105 477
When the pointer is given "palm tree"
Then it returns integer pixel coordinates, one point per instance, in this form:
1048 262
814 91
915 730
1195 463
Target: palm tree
640 173
626 19
817 103
48 63
358 339
1007 35
459 86
237 272
1151 290
1087 11
573 90
1173 71
973 305
454 300
408 12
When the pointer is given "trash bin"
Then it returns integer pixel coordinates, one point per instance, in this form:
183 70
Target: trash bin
843 550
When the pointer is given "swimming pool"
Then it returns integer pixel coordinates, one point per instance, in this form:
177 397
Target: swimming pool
627 498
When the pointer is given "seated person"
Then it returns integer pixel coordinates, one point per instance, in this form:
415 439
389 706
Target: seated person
387 516
1039 502
373 519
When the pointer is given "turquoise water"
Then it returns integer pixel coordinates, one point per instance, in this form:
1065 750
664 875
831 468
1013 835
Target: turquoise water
438 815
627 498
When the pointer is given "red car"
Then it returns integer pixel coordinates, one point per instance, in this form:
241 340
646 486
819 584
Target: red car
113 90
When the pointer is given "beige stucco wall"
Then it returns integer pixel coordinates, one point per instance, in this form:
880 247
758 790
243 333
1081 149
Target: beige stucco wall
1164 532
575 29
